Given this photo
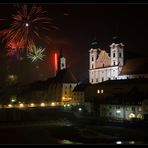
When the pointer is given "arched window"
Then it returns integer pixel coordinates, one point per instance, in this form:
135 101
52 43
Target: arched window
131 115
114 55
140 116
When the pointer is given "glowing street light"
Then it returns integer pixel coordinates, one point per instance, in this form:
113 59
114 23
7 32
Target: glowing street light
52 104
9 105
21 105
26 24
32 104
42 104
80 109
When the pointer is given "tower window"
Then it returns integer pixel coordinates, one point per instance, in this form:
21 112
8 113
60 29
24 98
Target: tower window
114 63
92 58
120 55
97 80
92 66
113 55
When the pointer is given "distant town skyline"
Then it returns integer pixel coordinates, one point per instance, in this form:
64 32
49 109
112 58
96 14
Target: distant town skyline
78 25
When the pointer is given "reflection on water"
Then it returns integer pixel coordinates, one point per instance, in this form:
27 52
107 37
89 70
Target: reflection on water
129 142
68 142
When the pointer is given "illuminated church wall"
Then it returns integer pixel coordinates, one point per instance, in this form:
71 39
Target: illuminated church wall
103 67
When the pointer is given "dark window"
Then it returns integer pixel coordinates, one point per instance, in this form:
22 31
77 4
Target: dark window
103 65
133 108
97 80
92 66
92 58
119 54
113 55
102 79
114 63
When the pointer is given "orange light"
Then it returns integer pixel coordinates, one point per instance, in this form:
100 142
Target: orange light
56 62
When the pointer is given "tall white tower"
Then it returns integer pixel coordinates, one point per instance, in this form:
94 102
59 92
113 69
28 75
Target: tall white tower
117 52
61 61
93 54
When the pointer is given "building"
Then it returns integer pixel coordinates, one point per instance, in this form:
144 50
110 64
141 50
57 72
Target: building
118 99
112 65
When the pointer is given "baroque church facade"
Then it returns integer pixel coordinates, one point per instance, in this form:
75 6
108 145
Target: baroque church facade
105 66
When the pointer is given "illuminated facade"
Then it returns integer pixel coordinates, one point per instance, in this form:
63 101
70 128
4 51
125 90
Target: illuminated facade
60 88
105 66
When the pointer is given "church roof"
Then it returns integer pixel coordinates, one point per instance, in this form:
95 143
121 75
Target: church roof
116 40
65 76
135 66
95 44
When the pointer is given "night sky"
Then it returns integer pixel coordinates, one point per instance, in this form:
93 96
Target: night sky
78 24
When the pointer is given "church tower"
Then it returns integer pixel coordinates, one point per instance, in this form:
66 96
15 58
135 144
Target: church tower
61 61
93 54
117 52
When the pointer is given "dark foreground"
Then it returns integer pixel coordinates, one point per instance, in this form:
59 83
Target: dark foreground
66 128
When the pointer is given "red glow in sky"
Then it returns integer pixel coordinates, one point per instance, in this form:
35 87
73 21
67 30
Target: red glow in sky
55 62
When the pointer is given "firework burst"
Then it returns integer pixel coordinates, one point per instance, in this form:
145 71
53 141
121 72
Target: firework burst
26 27
36 54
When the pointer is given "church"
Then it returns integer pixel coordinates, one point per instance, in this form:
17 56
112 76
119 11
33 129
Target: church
112 65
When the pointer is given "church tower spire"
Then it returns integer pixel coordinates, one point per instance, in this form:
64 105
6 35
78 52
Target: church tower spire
61 61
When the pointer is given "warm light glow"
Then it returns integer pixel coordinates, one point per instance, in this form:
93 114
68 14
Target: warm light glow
9 105
98 91
21 105
52 104
56 62
102 91
32 105
140 116
132 115
68 105
42 104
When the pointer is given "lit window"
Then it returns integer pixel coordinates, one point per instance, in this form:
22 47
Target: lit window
118 111
98 91
131 115
102 91
140 116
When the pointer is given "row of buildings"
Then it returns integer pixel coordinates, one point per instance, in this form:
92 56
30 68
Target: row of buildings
116 87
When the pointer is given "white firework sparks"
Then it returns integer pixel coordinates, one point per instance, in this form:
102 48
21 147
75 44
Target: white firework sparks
36 54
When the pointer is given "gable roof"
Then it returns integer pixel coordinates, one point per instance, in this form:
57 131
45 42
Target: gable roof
135 66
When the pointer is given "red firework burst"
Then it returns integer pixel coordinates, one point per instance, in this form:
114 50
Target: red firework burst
25 28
